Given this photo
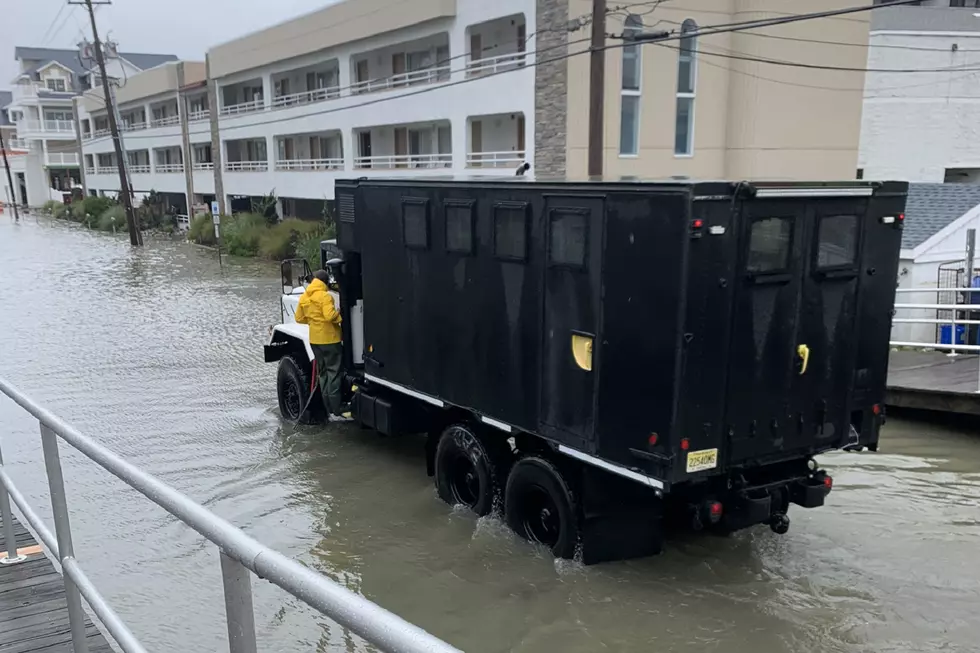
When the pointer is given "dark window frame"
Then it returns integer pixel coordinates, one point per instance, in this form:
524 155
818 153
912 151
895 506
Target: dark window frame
470 206
818 242
510 206
791 239
413 202
557 213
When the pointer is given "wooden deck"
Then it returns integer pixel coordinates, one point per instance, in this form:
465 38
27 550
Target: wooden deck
933 381
33 611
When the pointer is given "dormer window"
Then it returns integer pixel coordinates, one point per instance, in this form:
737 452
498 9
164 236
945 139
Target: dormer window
56 84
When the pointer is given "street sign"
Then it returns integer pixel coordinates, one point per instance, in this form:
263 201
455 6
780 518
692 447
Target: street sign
215 212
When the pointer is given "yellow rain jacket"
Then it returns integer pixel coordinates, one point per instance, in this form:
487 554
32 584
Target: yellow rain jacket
317 309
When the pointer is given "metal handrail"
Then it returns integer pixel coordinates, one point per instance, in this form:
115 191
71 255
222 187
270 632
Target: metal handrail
239 555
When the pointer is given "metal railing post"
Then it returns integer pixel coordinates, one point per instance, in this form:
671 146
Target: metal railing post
8 526
238 605
62 528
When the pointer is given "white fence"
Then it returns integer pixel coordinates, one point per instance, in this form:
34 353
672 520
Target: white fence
960 316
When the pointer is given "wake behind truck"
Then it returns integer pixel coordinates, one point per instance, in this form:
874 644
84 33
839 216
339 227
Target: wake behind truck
599 360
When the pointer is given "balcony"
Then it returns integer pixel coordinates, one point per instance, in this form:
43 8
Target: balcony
243 97
61 159
35 90
495 141
200 167
246 166
133 126
244 107
165 122
302 165
200 114
140 169
106 170
496 45
404 161
423 61
48 127
306 97
493 65
306 85
404 147
18 144
168 168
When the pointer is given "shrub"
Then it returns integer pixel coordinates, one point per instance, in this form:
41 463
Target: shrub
51 206
112 219
282 240
90 206
242 234
308 246
201 230
62 212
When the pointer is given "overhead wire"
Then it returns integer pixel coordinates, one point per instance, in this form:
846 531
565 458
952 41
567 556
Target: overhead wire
700 32
42 41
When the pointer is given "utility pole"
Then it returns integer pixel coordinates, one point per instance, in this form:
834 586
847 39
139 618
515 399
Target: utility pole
597 87
135 238
10 180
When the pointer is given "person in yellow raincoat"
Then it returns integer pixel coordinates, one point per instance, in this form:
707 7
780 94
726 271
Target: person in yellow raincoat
317 309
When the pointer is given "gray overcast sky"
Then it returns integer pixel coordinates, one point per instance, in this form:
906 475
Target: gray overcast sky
185 28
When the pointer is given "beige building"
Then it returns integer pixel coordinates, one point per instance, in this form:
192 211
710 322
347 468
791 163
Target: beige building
693 108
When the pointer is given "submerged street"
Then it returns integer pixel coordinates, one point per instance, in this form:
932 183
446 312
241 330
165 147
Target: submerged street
157 353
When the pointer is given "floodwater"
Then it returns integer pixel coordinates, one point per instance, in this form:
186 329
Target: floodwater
158 355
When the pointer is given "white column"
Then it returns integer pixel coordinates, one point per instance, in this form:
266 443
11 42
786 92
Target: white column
457 51
344 77
347 140
267 89
147 114
460 139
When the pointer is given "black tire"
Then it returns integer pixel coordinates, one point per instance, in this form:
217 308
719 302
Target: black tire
465 472
293 390
540 507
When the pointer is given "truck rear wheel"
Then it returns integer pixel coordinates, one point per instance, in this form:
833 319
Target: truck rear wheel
464 471
540 507
293 389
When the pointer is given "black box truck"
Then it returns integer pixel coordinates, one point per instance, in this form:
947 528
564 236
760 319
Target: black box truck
598 360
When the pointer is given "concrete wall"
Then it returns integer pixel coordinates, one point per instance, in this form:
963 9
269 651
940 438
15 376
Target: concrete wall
914 127
752 120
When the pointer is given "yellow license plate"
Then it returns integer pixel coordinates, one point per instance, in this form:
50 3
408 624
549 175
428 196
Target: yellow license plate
698 461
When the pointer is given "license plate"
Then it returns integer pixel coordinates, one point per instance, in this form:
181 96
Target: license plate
698 461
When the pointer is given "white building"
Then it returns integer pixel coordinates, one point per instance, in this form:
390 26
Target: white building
41 107
356 89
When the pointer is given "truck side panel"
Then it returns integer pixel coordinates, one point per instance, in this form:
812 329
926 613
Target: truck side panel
646 237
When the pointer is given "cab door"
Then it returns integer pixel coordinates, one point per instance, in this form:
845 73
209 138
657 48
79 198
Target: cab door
764 352
570 330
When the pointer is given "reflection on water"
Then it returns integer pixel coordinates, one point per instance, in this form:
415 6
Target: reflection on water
157 353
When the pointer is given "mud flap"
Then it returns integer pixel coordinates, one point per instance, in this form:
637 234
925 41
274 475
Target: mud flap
621 519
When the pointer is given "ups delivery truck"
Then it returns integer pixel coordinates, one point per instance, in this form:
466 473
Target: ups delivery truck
597 360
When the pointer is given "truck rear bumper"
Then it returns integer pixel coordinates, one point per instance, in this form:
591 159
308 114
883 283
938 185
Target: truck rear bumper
766 504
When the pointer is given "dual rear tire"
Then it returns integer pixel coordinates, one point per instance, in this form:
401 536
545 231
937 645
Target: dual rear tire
478 471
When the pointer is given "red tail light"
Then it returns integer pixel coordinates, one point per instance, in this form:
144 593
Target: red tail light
715 509
876 409
685 444
828 483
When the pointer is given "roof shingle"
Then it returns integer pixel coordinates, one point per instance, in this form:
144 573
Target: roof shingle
931 207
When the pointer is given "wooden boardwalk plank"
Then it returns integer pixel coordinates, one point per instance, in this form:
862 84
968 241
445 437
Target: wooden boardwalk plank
931 380
33 608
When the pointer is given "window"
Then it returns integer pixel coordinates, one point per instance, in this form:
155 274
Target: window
459 226
415 222
769 244
510 231
568 238
57 85
687 74
837 241
860 173
629 116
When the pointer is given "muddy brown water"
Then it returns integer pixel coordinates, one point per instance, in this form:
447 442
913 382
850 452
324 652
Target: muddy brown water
157 354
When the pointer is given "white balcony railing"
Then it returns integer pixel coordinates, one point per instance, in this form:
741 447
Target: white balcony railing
47 126
426 76
244 107
89 170
297 165
306 97
19 144
106 170
165 122
204 166
406 161
101 133
203 114
34 89
62 158
496 64
169 167
133 126
139 169
495 159
246 166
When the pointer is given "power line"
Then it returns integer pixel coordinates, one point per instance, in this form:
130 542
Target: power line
42 40
706 31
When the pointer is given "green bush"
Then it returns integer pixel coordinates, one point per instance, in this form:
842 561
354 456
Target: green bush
241 235
112 219
201 230
62 212
282 239
90 209
52 206
308 246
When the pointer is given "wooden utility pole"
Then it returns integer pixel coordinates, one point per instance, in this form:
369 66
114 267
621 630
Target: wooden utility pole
135 238
10 180
597 87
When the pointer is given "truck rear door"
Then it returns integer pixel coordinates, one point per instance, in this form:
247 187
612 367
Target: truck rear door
794 326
